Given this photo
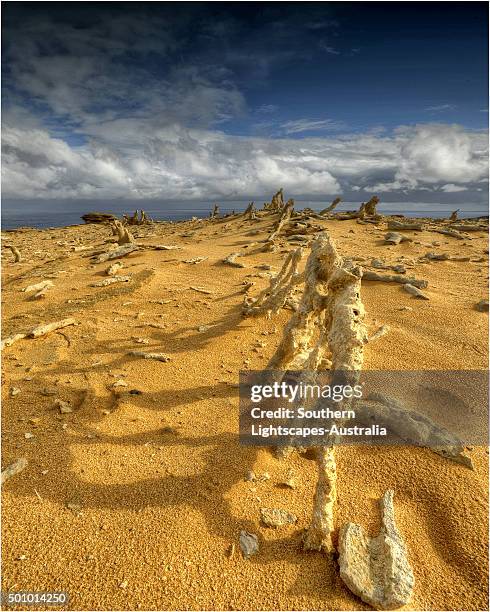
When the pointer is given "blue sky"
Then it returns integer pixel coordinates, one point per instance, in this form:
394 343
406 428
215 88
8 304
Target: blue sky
232 100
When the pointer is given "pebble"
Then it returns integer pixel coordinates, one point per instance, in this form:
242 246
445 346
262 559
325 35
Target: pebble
14 391
249 544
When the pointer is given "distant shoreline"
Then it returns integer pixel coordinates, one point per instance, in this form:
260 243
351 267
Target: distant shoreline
33 217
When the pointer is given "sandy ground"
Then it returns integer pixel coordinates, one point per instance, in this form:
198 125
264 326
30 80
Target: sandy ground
133 500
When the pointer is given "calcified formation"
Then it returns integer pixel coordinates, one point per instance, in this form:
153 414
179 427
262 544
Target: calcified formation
13 469
394 278
230 260
398 225
144 355
124 236
368 209
110 281
411 426
454 215
277 202
37 332
250 211
281 288
333 205
15 253
331 302
463 227
215 212
283 219
395 238
121 251
377 569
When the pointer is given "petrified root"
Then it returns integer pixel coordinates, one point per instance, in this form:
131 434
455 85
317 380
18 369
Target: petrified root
368 209
277 202
111 281
398 225
462 227
114 268
13 469
396 238
194 260
124 236
446 232
377 569
394 278
230 260
144 355
42 330
411 426
454 215
160 247
250 211
379 333
281 287
319 533
47 284
380 265
283 219
215 212
333 205
415 291
121 251
15 253
37 332
331 301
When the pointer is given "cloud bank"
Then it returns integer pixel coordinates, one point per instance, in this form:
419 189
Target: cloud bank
125 159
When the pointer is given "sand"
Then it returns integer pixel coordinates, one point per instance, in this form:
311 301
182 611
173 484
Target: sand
133 500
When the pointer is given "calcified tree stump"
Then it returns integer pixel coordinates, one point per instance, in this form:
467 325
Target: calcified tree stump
250 211
277 202
124 236
331 300
283 219
215 212
332 206
454 215
368 209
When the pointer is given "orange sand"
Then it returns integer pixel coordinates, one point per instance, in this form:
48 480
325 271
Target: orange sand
159 508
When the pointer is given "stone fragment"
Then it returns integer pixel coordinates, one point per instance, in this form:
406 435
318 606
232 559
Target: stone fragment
249 544
276 517
376 569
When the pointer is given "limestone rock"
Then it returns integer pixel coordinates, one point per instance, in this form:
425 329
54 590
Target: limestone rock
275 517
376 569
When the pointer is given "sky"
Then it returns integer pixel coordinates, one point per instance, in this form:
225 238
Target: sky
232 100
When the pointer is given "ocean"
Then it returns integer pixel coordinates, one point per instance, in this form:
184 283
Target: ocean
44 213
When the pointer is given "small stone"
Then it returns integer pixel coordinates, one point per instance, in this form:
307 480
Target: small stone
15 390
250 476
482 306
29 435
123 584
275 517
64 407
120 383
249 544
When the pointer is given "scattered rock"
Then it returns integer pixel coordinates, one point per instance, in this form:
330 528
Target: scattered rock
15 390
64 407
376 569
157 356
482 306
275 517
415 291
249 544
250 476
13 469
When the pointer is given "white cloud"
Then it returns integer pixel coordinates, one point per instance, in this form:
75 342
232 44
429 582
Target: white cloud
133 158
310 125
441 107
452 188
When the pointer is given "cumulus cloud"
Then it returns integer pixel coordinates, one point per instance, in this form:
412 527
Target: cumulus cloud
130 159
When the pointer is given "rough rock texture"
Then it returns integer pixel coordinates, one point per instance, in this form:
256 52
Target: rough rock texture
276 517
376 569
13 469
249 544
